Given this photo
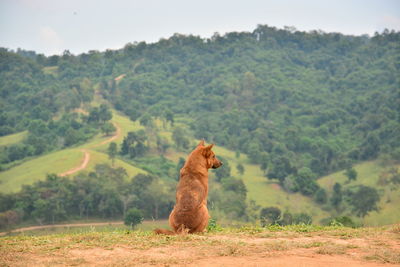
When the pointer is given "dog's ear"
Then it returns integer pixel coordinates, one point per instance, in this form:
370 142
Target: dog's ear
209 147
201 143
207 150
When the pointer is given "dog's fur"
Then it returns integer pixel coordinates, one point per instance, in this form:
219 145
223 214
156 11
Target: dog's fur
190 214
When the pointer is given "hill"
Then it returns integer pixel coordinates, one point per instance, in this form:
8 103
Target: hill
273 246
284 107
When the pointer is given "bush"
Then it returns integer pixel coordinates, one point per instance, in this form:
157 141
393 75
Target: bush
302 218
342 221
133 217
270 216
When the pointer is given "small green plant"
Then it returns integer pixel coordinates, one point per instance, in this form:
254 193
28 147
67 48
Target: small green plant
133 217
213 226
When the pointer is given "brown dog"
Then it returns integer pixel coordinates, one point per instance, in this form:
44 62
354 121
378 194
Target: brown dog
190 213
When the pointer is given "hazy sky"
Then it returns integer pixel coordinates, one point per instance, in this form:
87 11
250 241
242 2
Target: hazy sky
52 26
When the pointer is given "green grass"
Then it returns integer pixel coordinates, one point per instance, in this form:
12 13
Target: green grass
12 138
36 169
52 70
123 122
266 192
368 174
99 158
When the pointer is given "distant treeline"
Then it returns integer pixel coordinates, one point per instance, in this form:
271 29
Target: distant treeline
108 193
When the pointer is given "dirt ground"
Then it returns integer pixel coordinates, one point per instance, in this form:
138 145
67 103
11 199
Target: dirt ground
331 248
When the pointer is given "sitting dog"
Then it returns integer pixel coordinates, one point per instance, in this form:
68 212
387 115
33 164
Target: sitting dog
190 213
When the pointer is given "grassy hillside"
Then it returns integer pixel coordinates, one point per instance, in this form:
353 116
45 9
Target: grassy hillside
12 138
37 169
273 246
369 173
265 192
61 161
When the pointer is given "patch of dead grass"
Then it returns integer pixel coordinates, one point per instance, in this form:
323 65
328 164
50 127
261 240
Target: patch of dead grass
384 255
332 249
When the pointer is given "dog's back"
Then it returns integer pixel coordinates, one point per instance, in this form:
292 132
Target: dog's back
190 213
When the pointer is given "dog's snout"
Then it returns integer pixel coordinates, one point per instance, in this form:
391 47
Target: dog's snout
221 163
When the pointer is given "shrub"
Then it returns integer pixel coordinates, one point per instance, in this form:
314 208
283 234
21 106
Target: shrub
133 217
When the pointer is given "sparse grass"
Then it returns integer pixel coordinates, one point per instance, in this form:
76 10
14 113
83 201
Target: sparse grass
332 249
12 138
384 255
113 245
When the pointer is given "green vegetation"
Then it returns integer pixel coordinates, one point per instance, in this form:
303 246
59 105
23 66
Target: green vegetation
12 138
283 106
133 217
36 169
105 193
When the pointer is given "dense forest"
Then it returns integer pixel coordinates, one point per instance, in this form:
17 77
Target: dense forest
299 104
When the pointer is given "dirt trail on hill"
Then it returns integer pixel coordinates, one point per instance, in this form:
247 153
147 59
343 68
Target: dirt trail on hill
115 136
83 165
86 157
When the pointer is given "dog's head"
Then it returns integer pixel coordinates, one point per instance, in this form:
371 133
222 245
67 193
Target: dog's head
212 161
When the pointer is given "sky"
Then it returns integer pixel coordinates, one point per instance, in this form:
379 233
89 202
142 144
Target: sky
52 26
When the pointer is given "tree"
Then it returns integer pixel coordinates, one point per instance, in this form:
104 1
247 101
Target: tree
320 196
240 168
107 128
287 219
133 144
169 116
281 167
270 215
305 181
224 171
264 161
133 217
145 120
302 218
180 139
162 144
94 115
112 152
104 114
351 174
337 196
363 200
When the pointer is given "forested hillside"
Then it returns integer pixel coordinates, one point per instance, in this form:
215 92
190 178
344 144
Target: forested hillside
301 105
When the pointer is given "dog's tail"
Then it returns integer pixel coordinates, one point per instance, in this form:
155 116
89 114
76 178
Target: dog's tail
164 232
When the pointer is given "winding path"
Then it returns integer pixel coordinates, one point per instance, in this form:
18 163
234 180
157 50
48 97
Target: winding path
112 138
83 165
86 157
